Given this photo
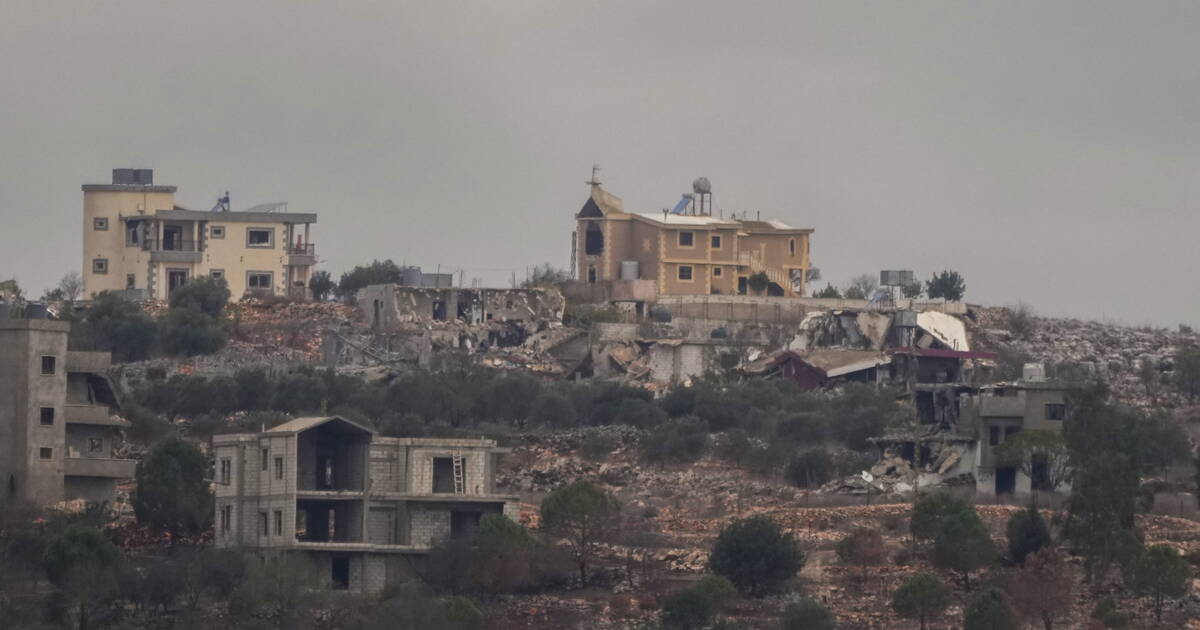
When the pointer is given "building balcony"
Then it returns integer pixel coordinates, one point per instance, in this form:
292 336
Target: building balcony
173 250
97 415
88 362
99 467
302 254
1002 406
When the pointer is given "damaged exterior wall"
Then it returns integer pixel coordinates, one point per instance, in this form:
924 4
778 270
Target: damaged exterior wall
355 502
387 305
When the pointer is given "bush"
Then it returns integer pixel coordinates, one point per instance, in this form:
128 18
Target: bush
551 409
385 272
810 469
119 326
688 609
805 427
756 556
861 548
734 446
1027 533
921 597
807 614
989 610
205 294
1107 614
682 441
931 509
189 332
597 445
640 414
172 494
585 515
962 544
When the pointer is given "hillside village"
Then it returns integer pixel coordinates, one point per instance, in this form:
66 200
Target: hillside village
207 430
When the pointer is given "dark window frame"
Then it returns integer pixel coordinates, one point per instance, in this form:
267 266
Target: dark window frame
44 420
100 224
691 273
270 244
1056 412
49 365
714 241
100 266
45 452
691 238
217 232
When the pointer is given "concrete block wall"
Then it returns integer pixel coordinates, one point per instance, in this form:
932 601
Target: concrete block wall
381 525
389 465
428 527
375 573
475 467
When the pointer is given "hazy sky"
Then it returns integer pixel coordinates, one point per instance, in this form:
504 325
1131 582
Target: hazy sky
1047 150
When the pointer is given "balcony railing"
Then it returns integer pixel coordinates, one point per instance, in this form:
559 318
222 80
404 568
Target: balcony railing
303 249
170 245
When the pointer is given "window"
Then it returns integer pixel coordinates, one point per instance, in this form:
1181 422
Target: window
48 365
258 280
217 231
993 436
593 239
279 468
591 274
263 525
99 265
226 518
792 247
264 458
226 470
1011 431
1056 411
133 231
100 223
46 453
443 475
130 281
278 522
716 241
685 273
95 445
47 416
217 274
260 237
717 272
687 239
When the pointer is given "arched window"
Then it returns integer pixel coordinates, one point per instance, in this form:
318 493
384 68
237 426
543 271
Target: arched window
593 239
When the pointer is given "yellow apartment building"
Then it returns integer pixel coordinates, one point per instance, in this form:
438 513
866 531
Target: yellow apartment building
687 253
136 240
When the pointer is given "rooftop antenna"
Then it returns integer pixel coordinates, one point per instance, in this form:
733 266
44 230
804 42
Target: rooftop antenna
595 173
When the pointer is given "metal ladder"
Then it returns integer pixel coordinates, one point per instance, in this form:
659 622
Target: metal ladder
459 480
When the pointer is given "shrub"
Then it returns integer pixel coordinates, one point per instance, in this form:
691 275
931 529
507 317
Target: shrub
861 548
756 555
1107 614
119 326
688 609
1161 574
807 614
585 515
205 294
948 285
189 332
921 597
962 544
989 610
682 440
596 445
931 509
810 469
734 446
1027 533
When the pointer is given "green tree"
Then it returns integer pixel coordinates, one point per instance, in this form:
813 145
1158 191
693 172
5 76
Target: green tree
829 292
962 544
861 548
503 554
682 440
1107 614
189 332
688 609
552 409
86 567
1187 371
1042 589
990 610
948 285
285 588
172 493
758 282
931 509
321 285
1042 455
585 516
1027 533
807 614
1160 573
205 294
119 326
921 597
385 272
756 555
810 469
912 291
862 286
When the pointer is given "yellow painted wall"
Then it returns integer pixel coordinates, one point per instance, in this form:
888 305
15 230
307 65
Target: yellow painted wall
110 243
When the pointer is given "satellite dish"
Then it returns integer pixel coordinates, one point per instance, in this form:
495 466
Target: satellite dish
701 186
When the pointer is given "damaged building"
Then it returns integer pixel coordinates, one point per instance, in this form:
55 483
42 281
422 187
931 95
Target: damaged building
359 505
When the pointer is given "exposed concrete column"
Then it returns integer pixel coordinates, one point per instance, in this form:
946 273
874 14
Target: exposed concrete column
366 483
158 231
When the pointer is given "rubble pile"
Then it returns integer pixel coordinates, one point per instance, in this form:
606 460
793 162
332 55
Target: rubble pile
288 330
1113 351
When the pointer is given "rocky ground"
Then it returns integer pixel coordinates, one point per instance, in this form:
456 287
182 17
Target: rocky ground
1114 351
678 511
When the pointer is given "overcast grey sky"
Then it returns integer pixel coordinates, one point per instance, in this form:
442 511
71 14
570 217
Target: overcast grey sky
1047 150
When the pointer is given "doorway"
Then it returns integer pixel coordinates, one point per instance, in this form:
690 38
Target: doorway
741 285
1006 480
339 573
176 278
172 238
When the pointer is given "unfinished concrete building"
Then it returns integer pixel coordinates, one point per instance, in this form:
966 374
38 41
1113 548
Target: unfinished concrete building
358 504
57 422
